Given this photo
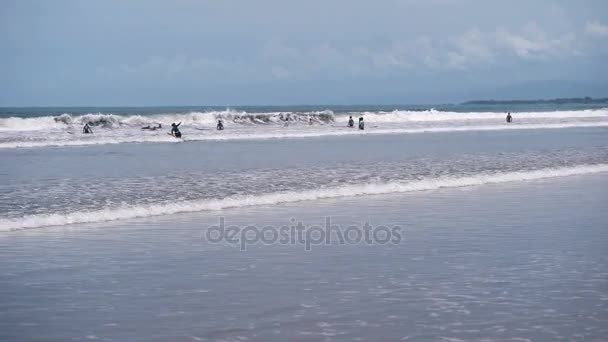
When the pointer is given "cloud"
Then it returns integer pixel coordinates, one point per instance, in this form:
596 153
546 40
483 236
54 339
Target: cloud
532 42
397 55
174 68
279 72
472 47
282 60
279 60
476 48
595 28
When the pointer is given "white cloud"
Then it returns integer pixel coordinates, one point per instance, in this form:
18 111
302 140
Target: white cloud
472 47
281 60
596 28
475 48
520 45
279 72
397 55
532 42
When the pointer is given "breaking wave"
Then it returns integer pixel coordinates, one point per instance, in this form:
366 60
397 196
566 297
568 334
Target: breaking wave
435 115
196 119
208 119
142 211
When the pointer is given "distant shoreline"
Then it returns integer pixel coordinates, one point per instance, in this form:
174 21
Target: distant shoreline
550 101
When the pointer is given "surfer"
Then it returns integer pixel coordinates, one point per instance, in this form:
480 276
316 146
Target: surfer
153 128
361 124
509 118
351 122
175 130
220 125
87 129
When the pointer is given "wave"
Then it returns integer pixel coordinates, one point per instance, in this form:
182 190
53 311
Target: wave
209 119
340 131
131 212
435 115
196 119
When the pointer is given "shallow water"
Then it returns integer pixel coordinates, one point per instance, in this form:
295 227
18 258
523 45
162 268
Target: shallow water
46 127
502 237
56 186
496 262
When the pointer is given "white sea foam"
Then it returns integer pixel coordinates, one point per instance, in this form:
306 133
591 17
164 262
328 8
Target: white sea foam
64 130
58 140
129 212
435 115
109 120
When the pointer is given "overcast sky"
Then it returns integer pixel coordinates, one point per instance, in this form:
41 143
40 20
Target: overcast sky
227 52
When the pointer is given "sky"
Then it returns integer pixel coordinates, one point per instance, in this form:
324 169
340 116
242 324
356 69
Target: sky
228 52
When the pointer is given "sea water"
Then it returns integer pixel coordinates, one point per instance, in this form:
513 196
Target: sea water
502 226
43 127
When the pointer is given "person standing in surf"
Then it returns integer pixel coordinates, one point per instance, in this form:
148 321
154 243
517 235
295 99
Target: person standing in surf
509 118
87 129
351 122
361 124
175 130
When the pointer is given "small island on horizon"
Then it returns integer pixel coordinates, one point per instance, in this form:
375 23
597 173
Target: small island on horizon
570 100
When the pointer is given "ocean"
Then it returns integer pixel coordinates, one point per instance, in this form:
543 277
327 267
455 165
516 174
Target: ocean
466 227
44 127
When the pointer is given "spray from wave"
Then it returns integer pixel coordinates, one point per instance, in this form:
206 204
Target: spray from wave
141 211
208 119
196 119
435 115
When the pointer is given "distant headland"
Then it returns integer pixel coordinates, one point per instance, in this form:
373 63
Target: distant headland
550 101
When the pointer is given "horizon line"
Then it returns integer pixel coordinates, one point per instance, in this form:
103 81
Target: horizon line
497 101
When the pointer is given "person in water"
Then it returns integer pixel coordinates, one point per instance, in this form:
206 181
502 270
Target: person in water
361 124
310 121
87 129
153 128
351 122
220 125
509 118
175 130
